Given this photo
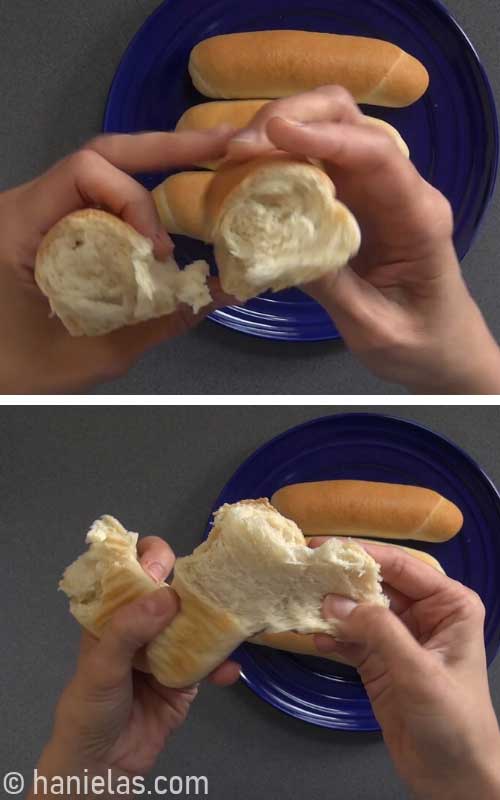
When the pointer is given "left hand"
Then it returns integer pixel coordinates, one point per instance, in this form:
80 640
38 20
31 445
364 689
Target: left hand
112 716
37 354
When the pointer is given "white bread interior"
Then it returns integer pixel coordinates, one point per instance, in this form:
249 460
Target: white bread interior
256 563
99 274
281 227
253 574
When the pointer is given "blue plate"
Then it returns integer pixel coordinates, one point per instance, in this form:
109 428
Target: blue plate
452 131
377 448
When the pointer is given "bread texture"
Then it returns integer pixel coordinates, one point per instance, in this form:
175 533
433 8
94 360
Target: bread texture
278 63
303 643
240 113
276 223
253 574
369 509
99 274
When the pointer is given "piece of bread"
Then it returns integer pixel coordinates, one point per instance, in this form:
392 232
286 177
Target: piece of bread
279 63
254 573
240 113
368 509
303 643
180 201
99 274
275 222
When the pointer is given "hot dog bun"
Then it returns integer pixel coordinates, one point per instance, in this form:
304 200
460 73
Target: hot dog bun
278 63
180 201
368 509
240 113
241 580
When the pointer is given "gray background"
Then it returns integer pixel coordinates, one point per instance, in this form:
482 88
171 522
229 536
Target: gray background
57 60
159 470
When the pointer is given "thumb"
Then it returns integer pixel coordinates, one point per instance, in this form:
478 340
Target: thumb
349 299
109 664
371 636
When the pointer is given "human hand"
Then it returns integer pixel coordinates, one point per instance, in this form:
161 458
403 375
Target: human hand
423 666
37 354
112 716
402 305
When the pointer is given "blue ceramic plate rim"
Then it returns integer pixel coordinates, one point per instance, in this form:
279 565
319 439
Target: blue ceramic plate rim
219 316
261 691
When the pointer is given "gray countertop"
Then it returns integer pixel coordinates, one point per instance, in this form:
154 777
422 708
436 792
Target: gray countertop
159 470
56 65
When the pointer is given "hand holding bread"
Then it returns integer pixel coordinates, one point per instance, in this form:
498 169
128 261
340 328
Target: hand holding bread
221 605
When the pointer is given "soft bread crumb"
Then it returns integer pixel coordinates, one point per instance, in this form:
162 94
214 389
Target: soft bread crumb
282 227
255 563
99 275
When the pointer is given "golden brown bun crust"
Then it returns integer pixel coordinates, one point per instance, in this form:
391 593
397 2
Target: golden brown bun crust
204 116
198 639
209 115
180 201
278 63
369 509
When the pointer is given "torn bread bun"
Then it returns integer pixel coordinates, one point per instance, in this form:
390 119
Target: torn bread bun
240 113
275 222
99 274
253 574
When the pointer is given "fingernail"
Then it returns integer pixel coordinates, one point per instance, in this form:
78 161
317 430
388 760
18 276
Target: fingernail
336 607
246 136
296 122
157 603
157 571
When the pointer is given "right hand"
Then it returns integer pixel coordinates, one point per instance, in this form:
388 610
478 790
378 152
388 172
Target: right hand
402 305
423 666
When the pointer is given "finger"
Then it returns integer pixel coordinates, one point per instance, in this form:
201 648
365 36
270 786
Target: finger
412 578
225 675
149 152
109 664
333 103
399 602
356 305
130 343
415 579
87 642
377 631
156 557
87 179
345 653
357 148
